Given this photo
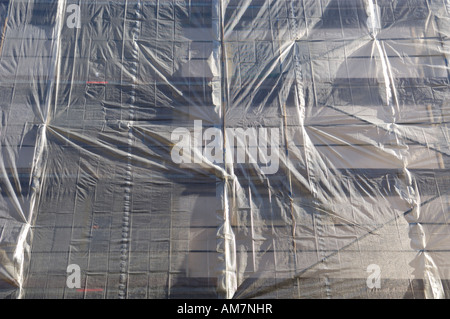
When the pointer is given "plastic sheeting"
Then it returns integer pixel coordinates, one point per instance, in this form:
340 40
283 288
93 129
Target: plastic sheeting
224 149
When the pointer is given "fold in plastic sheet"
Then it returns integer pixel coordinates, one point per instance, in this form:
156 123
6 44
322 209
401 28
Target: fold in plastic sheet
224 149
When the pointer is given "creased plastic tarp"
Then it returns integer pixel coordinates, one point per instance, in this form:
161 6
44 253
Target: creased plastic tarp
225 149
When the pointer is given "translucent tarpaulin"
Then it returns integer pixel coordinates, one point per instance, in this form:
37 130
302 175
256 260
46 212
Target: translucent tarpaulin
224 149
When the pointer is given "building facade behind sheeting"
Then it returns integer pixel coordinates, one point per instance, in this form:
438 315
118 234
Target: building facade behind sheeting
224 149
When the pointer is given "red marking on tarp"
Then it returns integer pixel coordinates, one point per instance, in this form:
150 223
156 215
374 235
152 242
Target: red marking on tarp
97 82
90 289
